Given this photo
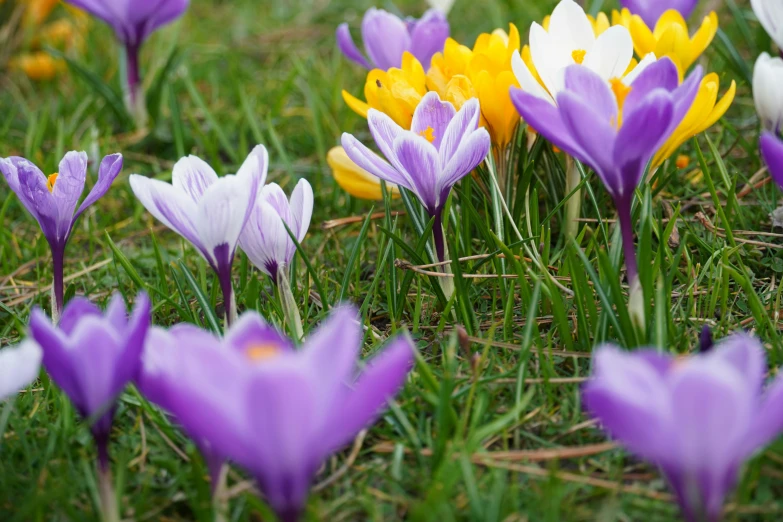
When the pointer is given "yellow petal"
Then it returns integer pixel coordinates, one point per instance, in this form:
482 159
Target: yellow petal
356 105
458 91
496 107
671 17
703 37
38 66
721 107
643 39
39 10
355 180
600 23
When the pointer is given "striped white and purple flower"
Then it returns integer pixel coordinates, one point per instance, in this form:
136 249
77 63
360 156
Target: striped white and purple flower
265 239
443 146
210 212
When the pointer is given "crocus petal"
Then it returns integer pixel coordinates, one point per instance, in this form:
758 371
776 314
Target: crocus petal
768 421
355 180
428 36
249 332
432 117
385 38
384 131
301 208
770 14
19 366
526 80
611 53
746 355
77 308
420 161
347 46
548 62
772 152
110 168
588 85
546 119
661 74
569 21
471 153
68 189
221 215
193 176
265 239
643 131
41 203
648 60
170 206
128 364
461 126
133 22
364 401
372 163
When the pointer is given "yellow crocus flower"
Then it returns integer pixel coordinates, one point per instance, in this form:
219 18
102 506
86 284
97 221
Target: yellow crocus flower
37 11
705 111
600 23
453 61
395 92
38 66
355 180
670 37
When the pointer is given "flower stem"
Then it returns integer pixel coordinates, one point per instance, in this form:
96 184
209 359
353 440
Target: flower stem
287 301
626 228
438 236
109 508
219 497
229 298
574 203
57 285
134 98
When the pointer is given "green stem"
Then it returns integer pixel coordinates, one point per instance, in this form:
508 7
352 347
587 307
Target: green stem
109 509
219 498
574 203
287 301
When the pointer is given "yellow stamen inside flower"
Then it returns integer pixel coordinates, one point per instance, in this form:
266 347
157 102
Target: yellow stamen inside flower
620 91
51 180
682 161
262 352
578 55
428 134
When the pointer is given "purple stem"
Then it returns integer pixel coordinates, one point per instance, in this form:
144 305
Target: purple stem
626 227
58 256
437 235
133 76
227 288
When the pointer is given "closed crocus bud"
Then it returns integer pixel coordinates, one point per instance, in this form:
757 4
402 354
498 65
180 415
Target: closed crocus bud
767 78
770 14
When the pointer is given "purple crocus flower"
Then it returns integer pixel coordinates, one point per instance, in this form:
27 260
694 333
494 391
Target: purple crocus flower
92 356
386 38
52 201
442 147
133 22
772 152
208 211
169 353
651 10
614 128
265 239
277 411
698 419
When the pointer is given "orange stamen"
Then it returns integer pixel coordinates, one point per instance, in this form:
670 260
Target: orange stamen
578 55
262 352
428 134
51 180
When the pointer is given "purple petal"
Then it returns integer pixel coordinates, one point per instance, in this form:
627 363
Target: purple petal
250 331
643 131
546 119
746 354
651 10
68 189
77 308
661 74
460 127
420 160
193 176
372 163
170 206
133 21
772 152
384 131
593 133
57 358
133 334
347 46
110 168
471 153
432 115
684 96
41 203
385 38
428 36
768 421
364 402
264 239
222 213
588 85
332 352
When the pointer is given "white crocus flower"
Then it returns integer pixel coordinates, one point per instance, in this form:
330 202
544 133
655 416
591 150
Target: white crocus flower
19 366
767 79
770 14
444 6
571 40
